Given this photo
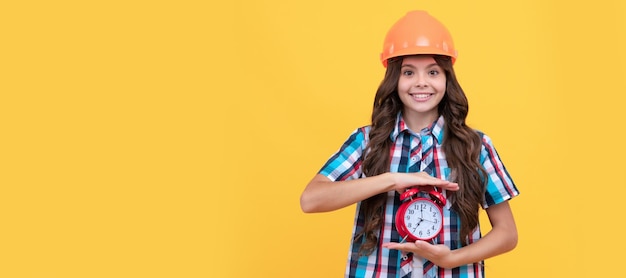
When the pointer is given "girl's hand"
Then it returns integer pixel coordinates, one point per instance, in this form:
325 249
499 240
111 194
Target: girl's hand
403 181
438 254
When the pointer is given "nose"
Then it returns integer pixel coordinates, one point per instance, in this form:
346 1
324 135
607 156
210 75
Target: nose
420 80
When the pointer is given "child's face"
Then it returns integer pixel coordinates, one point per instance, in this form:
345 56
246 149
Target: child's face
421 87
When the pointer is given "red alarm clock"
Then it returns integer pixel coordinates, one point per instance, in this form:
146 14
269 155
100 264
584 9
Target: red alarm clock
418 217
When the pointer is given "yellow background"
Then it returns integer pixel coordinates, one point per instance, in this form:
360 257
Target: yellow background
173 138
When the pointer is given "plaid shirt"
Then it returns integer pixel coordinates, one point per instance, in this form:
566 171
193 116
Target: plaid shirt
414 152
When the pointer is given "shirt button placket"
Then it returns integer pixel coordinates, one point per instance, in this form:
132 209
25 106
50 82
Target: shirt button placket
416 156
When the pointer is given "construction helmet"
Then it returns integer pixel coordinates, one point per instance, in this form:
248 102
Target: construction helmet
417 33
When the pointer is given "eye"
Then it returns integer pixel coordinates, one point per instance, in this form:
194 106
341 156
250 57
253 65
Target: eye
433 72
407 72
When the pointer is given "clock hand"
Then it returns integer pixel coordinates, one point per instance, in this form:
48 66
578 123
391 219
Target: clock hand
427 220
418 224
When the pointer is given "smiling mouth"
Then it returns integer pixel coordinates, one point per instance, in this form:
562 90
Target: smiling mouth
421 96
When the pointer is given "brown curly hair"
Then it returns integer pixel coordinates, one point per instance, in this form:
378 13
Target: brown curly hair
461 145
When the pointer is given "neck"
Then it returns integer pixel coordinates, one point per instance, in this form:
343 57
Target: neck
418 121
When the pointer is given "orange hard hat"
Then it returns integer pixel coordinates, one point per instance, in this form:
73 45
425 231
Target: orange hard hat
417 33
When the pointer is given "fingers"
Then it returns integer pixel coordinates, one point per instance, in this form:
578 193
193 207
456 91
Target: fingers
414 247
452 186
405 180
448 185
406 247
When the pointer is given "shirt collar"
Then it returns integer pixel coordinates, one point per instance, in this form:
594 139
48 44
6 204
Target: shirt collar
436 128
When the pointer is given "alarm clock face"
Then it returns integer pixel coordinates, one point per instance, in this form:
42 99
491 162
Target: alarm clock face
423 219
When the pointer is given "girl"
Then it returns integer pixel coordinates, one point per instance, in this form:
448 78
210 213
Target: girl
418 137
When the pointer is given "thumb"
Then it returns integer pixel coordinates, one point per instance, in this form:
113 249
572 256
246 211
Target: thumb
421 245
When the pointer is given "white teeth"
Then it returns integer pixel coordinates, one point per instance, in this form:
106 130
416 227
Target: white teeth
420 95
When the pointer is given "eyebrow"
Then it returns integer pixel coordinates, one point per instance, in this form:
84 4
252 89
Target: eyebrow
412 66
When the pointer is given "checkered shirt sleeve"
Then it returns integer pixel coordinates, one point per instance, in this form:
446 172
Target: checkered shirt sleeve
345 164
500 186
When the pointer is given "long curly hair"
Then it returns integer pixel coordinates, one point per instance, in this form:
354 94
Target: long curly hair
461 145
